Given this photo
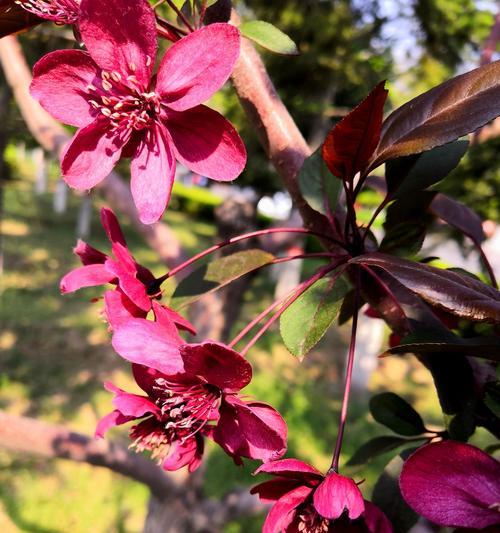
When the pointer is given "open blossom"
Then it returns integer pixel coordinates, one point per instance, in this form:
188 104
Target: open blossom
453 484
136 292
195 389
306 501
123 110
58 11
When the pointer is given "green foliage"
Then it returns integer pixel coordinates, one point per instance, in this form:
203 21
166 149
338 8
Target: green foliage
476 182
449 26
305 322
397 414
269 37
317 183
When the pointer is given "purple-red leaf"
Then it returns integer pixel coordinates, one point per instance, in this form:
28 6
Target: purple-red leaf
351 143
445 113
460 295
14 19
459 216
453 484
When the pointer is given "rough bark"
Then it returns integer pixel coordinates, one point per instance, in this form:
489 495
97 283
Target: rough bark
28 436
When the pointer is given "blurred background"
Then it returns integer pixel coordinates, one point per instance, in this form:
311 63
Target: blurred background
55 350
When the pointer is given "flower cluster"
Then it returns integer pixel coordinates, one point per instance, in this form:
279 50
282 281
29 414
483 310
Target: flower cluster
123 109
306 501
192 390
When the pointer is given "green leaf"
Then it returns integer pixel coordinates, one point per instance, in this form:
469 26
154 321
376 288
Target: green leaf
395 413
218 273
269 37
304 323
492 397
375 447
318 186
406 175
387 495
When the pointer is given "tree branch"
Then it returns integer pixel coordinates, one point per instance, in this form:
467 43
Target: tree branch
52 137
26 435
277 131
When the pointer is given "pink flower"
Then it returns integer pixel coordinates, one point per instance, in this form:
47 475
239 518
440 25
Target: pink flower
58 11
136 290
453 484
195 388
306 501
123 110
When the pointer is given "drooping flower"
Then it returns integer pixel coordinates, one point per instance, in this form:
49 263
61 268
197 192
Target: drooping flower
453 484
58 11
136 292
196 389
123 110
306 501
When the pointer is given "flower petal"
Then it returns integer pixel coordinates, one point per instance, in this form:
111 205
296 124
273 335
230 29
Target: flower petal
198 65
88 254
91 155
146 343
118 308
112 226
120 36
337 494
283 511
129 284
253 430
146 378
115 418
131 405
291 468
453 484
217 364
153 172
375 519
85 276
206 143
274 489
173 316
60 81
185 453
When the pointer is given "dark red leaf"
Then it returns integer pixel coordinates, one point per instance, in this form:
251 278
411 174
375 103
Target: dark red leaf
445 113
351 143
461 295
14 19
459 216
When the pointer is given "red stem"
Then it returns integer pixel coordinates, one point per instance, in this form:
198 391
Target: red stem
181 16
277 303
299 290
486 264
234 240
348 381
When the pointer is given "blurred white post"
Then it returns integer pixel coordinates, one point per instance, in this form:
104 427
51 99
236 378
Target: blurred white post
84 217
38 157
368 346
60 197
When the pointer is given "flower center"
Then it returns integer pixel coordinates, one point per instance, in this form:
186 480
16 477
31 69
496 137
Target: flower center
311 522
123 102
186 408
59 11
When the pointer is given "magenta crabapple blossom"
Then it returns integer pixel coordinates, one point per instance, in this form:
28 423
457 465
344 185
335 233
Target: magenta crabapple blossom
306 501
453 484
58 11
136 291
123 110
193 392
